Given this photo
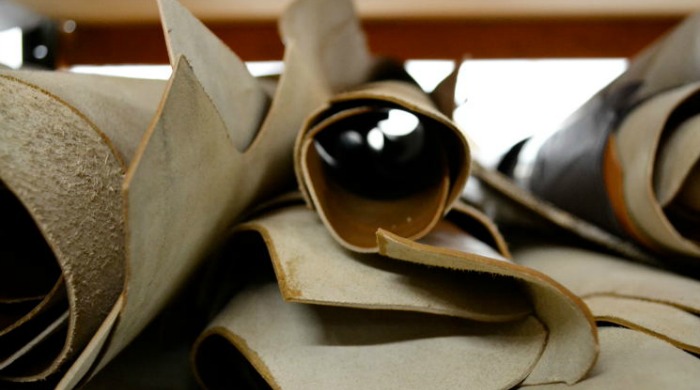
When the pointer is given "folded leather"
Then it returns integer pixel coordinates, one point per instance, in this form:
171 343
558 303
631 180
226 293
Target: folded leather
637 296
241 109
630 359
296 346
202 181
55 164
312 268
131 183
565 315
667 228
450 273
632 150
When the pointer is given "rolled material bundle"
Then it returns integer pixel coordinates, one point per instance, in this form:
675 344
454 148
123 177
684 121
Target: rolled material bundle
384 279
628 160
381 156
63 158
116 189
120 189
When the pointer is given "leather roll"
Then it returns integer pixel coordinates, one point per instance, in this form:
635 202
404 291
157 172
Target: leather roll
381 156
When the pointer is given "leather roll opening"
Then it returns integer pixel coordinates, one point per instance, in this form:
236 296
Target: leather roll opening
380 166
33 298
683 209
29 267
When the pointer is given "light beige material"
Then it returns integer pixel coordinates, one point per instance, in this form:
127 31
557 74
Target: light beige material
296 346
637 143
188 182
633 295
424 277
678 158
443 96
472 220
60 162
241 107
311 268
185 188
332 40
666 322
634 360
121 108
185 184
79 370
588 273
353 219
569 322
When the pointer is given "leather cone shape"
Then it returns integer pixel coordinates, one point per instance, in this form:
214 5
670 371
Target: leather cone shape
381 156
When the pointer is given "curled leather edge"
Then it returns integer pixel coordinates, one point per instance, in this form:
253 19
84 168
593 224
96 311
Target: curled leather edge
393 94
553 303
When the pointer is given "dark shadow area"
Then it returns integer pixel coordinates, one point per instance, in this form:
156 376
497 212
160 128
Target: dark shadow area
28 267
222 366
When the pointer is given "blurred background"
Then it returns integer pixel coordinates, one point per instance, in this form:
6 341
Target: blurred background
524 65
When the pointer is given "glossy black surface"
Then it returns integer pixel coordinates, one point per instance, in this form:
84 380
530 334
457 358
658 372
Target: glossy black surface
384 153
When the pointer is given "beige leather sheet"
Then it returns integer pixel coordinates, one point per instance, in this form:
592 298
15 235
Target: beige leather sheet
131 183
634 360
655 301
449 274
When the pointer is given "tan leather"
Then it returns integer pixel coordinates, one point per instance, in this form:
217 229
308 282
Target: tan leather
312 268
163 175
450 272
638 142
551 301
354 219
242 108
626 161
185 188
133 182
652 300
666 322
296 346
65 160
634 360
677 163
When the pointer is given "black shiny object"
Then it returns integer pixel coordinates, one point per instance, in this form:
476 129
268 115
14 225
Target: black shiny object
384 153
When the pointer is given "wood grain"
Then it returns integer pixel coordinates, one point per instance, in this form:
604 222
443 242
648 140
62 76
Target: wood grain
419 39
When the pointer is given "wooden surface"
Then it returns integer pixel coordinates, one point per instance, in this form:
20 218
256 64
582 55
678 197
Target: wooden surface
401 38
128 31
145 11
